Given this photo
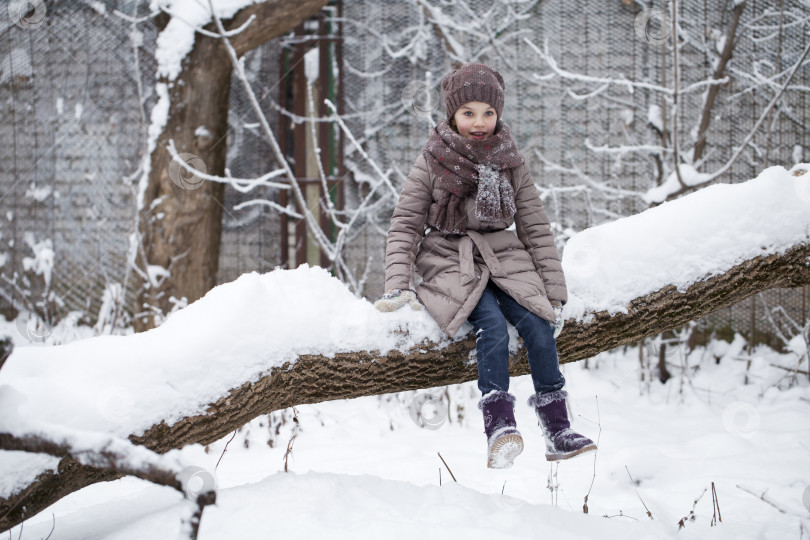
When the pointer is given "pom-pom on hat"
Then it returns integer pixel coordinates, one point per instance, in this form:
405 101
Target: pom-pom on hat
473 82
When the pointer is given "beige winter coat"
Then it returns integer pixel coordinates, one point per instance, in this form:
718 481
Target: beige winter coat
454 269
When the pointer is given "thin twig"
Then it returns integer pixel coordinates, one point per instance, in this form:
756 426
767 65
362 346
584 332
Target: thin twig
691 515
225 449
791 370
448 467
596 452
762 497
635 486
716 516
290 443
553 484
620 514
53 527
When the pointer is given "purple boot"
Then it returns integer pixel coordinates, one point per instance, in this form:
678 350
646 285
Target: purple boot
504 442
562 442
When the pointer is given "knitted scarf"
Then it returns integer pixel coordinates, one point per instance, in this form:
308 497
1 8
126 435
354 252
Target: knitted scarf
462 166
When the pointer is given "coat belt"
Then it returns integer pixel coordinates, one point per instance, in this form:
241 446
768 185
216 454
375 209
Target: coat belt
465 256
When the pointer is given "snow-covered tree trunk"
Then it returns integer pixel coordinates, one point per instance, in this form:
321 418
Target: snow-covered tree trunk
181 214
316 378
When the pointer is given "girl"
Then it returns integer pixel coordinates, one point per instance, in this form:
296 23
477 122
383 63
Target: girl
466 189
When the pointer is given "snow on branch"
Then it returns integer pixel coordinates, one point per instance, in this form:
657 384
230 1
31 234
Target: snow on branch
106 457
242 185
110 456
598 185
557 71
228 33
176 40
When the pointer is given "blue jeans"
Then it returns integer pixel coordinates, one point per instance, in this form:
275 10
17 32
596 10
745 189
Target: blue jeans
489 319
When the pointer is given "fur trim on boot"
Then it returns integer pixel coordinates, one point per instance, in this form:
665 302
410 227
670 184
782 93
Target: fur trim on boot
562 442
541 400
504 442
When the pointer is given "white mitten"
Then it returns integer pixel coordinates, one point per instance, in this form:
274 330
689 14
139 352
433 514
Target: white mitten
558 319
394 299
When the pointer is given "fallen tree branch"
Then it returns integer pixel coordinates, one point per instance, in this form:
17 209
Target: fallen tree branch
78 466
102 459
364 373
49 487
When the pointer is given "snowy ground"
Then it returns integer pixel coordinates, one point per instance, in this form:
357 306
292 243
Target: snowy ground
364 469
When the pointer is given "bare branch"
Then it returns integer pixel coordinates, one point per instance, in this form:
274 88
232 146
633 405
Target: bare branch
719 73
630 86
242 185
675 80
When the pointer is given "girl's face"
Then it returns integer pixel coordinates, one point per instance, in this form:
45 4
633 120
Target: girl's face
475 120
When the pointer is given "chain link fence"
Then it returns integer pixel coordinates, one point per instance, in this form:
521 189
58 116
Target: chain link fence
77 84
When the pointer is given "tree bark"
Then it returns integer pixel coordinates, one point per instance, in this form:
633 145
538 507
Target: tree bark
363 373
181 217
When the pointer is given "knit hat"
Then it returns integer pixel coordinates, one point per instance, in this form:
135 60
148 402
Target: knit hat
473 82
